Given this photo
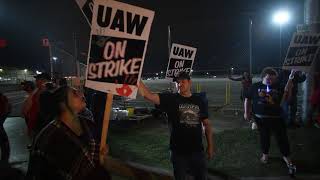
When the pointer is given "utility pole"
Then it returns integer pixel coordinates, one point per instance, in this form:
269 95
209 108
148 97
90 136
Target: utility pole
250 45
76 56
312 24
51 60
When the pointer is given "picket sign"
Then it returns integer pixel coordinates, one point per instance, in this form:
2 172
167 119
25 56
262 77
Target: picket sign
104 134
118 43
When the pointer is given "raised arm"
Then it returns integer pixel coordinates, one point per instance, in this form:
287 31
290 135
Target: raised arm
148 95
234 79
288 88
247 109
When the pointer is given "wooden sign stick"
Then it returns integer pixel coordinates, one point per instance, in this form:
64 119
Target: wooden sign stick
106 119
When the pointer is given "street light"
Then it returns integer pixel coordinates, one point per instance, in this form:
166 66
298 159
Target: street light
54 58
281 17
1 70
232 70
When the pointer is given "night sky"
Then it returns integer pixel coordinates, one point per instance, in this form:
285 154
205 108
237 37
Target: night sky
219 29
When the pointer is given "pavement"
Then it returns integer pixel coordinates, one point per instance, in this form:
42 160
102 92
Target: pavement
16 130
223 118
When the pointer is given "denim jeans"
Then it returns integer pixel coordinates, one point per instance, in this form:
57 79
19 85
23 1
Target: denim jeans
194 164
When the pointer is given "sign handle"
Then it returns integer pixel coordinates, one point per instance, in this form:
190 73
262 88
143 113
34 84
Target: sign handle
106 119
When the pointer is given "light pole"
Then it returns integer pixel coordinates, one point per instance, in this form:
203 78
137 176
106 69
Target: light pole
250 45
54 66
280 17
25 73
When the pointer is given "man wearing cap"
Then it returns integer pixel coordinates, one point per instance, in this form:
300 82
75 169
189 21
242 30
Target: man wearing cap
32 112
186 115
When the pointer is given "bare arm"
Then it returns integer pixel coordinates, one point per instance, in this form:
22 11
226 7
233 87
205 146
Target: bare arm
148 95
234 79
247 109
209 137
287 91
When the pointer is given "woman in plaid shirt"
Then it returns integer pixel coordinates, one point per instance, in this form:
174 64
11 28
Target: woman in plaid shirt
67 148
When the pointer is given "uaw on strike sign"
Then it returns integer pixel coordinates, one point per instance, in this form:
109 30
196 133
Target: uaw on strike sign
181 59
119 37
302 51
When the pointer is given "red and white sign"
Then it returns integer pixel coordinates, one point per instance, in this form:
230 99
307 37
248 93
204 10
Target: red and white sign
118 44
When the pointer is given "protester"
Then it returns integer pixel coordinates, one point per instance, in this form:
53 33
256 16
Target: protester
67 148
28 87
32 113
246 82
46 114
267 97
315 101
5 109
290 107
186 114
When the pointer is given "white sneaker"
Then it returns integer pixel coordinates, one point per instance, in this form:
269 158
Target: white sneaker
264 159
292 170
254 126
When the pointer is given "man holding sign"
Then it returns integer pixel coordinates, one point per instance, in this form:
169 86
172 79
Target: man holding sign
186 114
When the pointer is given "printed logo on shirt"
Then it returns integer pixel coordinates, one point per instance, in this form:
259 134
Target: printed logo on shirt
189 114
268 96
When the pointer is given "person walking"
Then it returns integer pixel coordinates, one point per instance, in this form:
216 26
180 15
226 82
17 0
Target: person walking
186 115
265 99
31 112
246 82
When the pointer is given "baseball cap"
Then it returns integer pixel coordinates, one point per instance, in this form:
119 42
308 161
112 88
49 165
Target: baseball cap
43 75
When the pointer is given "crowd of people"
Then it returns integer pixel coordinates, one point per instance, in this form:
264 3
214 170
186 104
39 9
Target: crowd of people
64 137
65 134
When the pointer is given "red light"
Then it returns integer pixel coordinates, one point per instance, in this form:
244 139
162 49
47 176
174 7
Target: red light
45 42
3 43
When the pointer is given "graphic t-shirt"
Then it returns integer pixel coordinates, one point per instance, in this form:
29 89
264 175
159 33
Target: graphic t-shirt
265 99
185 115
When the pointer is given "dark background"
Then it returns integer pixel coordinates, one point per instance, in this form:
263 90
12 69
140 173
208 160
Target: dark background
218 29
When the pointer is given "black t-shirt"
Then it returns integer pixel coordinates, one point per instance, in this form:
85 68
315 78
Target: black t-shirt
265 100
185 115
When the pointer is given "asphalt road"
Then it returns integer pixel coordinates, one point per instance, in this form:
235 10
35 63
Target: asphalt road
16 99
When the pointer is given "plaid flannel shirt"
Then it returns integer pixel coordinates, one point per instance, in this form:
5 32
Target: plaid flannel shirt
58 153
